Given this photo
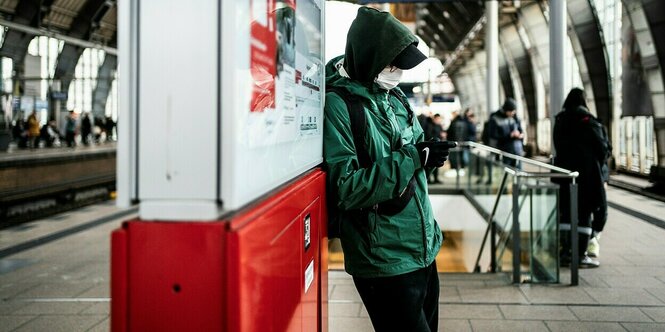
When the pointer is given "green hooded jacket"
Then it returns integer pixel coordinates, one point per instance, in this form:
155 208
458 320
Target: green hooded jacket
377 245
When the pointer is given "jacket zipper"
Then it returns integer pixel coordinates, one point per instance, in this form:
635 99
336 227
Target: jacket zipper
422 217
393 124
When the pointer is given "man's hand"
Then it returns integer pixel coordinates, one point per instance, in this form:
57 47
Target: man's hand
434 153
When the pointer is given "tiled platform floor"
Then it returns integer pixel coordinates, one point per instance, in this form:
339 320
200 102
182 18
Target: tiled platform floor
63 285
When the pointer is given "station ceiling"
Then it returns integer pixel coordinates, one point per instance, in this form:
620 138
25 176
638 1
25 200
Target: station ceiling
91 20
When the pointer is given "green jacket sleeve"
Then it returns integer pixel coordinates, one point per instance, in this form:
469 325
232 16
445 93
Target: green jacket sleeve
361 187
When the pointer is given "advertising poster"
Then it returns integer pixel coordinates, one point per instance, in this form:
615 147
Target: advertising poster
287 68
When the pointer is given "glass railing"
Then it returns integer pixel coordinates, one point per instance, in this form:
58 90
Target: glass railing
520 204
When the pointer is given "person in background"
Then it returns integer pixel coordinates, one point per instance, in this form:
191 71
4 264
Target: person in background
33 131
19 131
70 129
505 131
600 214
580 146
462 129
109 124
387 228
50 133
436 132
86 129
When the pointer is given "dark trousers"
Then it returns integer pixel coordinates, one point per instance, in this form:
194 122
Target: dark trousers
407 302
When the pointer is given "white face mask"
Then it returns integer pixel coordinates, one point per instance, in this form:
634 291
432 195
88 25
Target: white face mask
389 77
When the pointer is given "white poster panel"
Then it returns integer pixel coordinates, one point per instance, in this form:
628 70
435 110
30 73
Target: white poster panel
272 110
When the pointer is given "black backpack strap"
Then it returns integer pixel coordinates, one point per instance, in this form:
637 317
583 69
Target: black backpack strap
358 124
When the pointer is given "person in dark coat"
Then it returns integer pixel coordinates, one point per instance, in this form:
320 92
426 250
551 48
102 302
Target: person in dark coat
600 214
86 129
580 146
505 131
462 129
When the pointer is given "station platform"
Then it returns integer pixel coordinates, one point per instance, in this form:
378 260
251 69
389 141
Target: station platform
35 183
54 276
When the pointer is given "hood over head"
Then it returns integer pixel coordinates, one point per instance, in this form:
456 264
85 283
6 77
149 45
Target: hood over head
373 42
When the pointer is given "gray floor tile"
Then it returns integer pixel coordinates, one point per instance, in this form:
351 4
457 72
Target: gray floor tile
52 308
556 295
454 325
609 314
345 324
99 308
562 326
103 326
537 312
657 292
632 281
99 290
627 296
657 314
449 294
9 307
469 311
9 323
59 289
507 326
492 294
462 283
345 292
343 309
648 271
644 327
10 289
644 259
61 323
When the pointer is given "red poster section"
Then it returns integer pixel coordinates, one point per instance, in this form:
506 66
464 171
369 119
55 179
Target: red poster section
263 52
263 270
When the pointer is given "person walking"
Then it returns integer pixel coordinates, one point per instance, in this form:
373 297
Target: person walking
580 146
379 181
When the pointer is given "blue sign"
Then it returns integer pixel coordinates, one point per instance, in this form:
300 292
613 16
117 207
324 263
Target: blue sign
59 95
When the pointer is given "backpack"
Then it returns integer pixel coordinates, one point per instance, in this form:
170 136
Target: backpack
357 117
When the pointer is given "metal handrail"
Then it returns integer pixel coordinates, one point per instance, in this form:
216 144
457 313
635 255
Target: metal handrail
554 172
568 173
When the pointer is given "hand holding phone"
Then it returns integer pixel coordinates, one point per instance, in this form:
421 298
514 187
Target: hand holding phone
434 153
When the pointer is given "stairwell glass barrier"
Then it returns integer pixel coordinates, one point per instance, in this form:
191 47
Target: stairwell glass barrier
519 201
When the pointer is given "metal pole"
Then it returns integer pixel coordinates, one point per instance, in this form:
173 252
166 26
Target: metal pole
516 231
492 53
557 58
574 244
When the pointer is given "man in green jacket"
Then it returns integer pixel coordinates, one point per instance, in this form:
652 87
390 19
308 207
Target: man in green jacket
391 256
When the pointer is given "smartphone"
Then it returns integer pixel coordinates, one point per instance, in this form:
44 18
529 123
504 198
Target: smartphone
449 144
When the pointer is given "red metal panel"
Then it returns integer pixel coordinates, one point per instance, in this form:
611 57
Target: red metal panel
247 274
267 260
310 301
323 271
176 273
119 280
